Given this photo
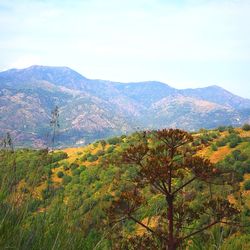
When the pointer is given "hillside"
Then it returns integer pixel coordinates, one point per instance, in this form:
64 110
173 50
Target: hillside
61 199
95 109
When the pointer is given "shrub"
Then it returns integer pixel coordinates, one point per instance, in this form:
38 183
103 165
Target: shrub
74 165
123 137
110 149
214 135
202 130
247 185
114 140
103 144
82 168
243 157
75 172
92 158
221 143
60 174
236 154
246 127
59 156
222 128
231 130
85 157
196 143
66 166
66 179
100 153
246 166
233 143
76 179
230 160
214 147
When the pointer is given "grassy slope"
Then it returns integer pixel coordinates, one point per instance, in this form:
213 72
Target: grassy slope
76 155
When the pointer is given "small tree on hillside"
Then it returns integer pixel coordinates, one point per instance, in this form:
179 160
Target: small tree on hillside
103 144
246 127
170 167
54 123
7 142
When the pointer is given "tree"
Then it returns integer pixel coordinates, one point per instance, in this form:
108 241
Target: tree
103 144
8 142
170 167
8 145
247 185
54 123
246 127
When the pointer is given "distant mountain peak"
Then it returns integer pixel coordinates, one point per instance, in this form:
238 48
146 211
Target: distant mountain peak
94 109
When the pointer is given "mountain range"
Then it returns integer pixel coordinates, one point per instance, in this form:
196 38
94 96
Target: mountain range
93 109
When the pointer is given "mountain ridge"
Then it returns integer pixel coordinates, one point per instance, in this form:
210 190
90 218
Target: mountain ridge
93 109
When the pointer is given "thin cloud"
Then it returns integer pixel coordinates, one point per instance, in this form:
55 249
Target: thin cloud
183 42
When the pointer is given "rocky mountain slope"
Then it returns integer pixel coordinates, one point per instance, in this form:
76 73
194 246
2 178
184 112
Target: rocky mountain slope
93 109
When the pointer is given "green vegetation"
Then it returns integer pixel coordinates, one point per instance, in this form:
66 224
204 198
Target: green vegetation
214 147
53 200
60 174
246 127
233 139
247 185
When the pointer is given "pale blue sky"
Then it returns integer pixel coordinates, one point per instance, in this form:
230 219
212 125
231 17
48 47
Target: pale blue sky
184 43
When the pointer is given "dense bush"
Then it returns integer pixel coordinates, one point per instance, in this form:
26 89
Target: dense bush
110 149
73 165
233 143
114 140
196 143
244 168
222 128
233 139
247 185
236 154
100 153
59 156
221 143
60 174
214 147
76 172
66 179
82 168
246 127
85 157
92 158
65 166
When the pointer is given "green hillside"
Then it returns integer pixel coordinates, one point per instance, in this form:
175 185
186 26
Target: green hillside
66 199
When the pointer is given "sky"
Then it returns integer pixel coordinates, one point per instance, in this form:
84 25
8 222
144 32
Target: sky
184 43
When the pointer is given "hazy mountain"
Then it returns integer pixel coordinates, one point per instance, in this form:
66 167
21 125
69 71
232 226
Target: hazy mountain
217 95
92 109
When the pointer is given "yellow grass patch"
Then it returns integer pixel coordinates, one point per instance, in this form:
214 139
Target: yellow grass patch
37 191
243 133
220 154
73 153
